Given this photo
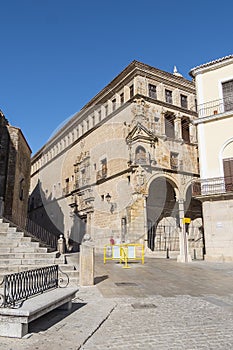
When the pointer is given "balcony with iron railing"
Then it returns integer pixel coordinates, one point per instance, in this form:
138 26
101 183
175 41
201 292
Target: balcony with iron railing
215 107
82 182
213 186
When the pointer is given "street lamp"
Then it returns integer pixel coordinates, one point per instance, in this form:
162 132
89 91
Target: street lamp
112 205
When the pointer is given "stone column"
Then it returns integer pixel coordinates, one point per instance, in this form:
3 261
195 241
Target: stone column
178 129
145 219
162 124
184 255
86 264
193 133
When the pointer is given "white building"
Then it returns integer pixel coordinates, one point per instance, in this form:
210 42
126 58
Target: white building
214 86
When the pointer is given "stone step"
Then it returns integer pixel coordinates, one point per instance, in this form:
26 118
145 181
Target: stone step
72 274
4 270
67 267
12 262
22 250
8 229
4 226
18 239
11 235
29 249
16 243
25 255
162 254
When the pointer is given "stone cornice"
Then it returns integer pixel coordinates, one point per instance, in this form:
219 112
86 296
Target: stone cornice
135 68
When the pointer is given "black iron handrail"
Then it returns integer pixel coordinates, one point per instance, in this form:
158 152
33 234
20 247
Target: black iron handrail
20 286
32 229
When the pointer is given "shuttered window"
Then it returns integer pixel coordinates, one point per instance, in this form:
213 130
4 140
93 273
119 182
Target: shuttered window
228 173
227 89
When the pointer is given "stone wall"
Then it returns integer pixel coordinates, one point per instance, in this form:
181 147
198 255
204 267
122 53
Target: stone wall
14 169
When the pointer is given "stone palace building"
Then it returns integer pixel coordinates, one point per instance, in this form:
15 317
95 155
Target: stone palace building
123 165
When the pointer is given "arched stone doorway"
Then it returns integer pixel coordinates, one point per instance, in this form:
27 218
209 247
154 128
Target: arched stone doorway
162 215
166 206
195 230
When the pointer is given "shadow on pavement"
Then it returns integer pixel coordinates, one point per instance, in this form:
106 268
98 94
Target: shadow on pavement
100 279
50 319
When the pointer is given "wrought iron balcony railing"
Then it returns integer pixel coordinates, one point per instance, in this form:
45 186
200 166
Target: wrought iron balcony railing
215 107
213 186
81 183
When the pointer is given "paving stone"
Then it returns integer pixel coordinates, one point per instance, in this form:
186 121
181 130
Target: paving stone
106 319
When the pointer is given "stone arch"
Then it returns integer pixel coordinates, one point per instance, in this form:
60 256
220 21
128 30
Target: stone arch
162 206
192 206
169 178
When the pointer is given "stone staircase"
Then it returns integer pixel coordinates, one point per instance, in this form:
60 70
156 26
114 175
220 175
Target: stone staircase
19 253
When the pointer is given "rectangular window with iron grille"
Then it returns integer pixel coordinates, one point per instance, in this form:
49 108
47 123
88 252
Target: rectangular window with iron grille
168 96
184 101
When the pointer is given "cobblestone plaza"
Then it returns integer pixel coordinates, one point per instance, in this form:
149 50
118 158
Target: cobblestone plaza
159 305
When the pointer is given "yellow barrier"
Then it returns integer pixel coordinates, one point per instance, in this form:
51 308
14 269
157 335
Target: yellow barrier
124 253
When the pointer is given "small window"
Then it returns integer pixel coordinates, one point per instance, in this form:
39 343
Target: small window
99 115
87 124
122 98
168 96
131 91
152 91
106 110
93 120
183 101
104 167
114 104
21 190
195 101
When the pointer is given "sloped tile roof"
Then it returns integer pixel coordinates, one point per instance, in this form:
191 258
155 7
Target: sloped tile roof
208 64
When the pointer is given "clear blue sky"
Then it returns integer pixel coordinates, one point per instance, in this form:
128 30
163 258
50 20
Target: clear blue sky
57 54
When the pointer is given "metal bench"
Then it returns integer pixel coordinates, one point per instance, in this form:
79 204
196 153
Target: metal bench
30 294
